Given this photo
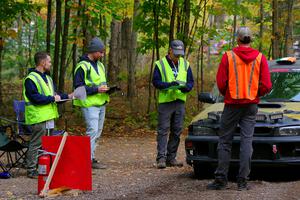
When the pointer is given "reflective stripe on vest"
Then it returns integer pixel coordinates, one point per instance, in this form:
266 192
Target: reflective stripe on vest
167 75
39 113
243 77
92 78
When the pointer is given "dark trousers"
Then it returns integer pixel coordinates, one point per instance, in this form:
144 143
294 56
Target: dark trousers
231 117
170 120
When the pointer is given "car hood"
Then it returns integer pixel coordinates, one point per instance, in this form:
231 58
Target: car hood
290 110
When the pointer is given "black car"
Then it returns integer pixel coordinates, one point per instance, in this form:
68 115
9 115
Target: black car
276 139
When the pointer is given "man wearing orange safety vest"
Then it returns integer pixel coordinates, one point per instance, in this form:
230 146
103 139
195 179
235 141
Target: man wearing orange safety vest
243 76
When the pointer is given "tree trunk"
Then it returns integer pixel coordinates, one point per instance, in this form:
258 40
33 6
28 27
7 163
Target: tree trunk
126 46
132 55
187 10
103 26
64 47
1 59
29 48
237 3
21 64
261 26
275 33
114 52
125 41
288 51
209 42
57 42
172 21
197 75
179 13
202 44
49 10
85 32
156 12
74 46
194 29
149 82
36 35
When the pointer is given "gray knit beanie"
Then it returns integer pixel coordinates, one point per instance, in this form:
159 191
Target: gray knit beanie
95 45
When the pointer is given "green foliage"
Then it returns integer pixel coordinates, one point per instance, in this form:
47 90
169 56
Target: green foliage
146 22
10 10
122 76
152 119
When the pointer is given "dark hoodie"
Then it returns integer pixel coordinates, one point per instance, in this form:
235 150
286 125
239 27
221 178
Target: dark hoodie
247 54
32 92
79 79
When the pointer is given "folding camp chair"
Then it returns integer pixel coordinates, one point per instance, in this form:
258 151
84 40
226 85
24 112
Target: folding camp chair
12 152
14 140
22 131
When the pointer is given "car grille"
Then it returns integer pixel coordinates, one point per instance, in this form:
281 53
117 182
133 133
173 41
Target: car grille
261 151
259 131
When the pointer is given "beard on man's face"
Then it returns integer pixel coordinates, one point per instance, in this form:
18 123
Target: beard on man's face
47 70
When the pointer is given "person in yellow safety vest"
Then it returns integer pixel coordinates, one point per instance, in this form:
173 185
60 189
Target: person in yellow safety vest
91 74
243 76
40 106
173 78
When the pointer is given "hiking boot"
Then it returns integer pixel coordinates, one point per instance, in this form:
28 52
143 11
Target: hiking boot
97 165
161 164
218 184
242 184
174 163
32 174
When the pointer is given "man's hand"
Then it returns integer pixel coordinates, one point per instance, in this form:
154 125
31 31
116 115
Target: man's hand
57 98
184 89
102 89
71 95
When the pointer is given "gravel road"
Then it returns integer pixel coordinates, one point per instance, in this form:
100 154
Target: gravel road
131 174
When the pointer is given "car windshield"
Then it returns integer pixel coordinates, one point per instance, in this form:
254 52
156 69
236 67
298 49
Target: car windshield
286 87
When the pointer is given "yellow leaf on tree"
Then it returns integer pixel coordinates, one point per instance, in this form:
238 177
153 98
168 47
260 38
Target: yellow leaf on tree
12 33
43 11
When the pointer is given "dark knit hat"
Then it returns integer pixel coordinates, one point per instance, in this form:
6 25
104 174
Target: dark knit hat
95 45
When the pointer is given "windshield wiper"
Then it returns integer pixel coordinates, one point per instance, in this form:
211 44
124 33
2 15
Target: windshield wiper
278 100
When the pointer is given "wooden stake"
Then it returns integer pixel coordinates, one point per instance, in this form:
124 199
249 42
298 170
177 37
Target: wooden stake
44 191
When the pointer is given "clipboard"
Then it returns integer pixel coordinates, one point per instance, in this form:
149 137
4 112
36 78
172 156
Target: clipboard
113 89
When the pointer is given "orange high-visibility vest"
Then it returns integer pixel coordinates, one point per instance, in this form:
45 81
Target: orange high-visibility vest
243 78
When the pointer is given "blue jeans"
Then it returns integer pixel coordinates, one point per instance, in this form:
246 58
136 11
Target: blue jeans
94 119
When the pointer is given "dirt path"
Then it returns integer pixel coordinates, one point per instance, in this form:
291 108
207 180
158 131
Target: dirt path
131 174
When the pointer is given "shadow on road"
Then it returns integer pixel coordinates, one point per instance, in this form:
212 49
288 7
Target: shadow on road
283 174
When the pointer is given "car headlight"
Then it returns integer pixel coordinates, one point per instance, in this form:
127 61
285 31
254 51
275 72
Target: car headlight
288 131
260 117
276 116
200 130
215 116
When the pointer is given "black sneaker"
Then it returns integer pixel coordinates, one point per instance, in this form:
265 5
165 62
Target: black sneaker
218 184
32 174
174 163
242 184
161 164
